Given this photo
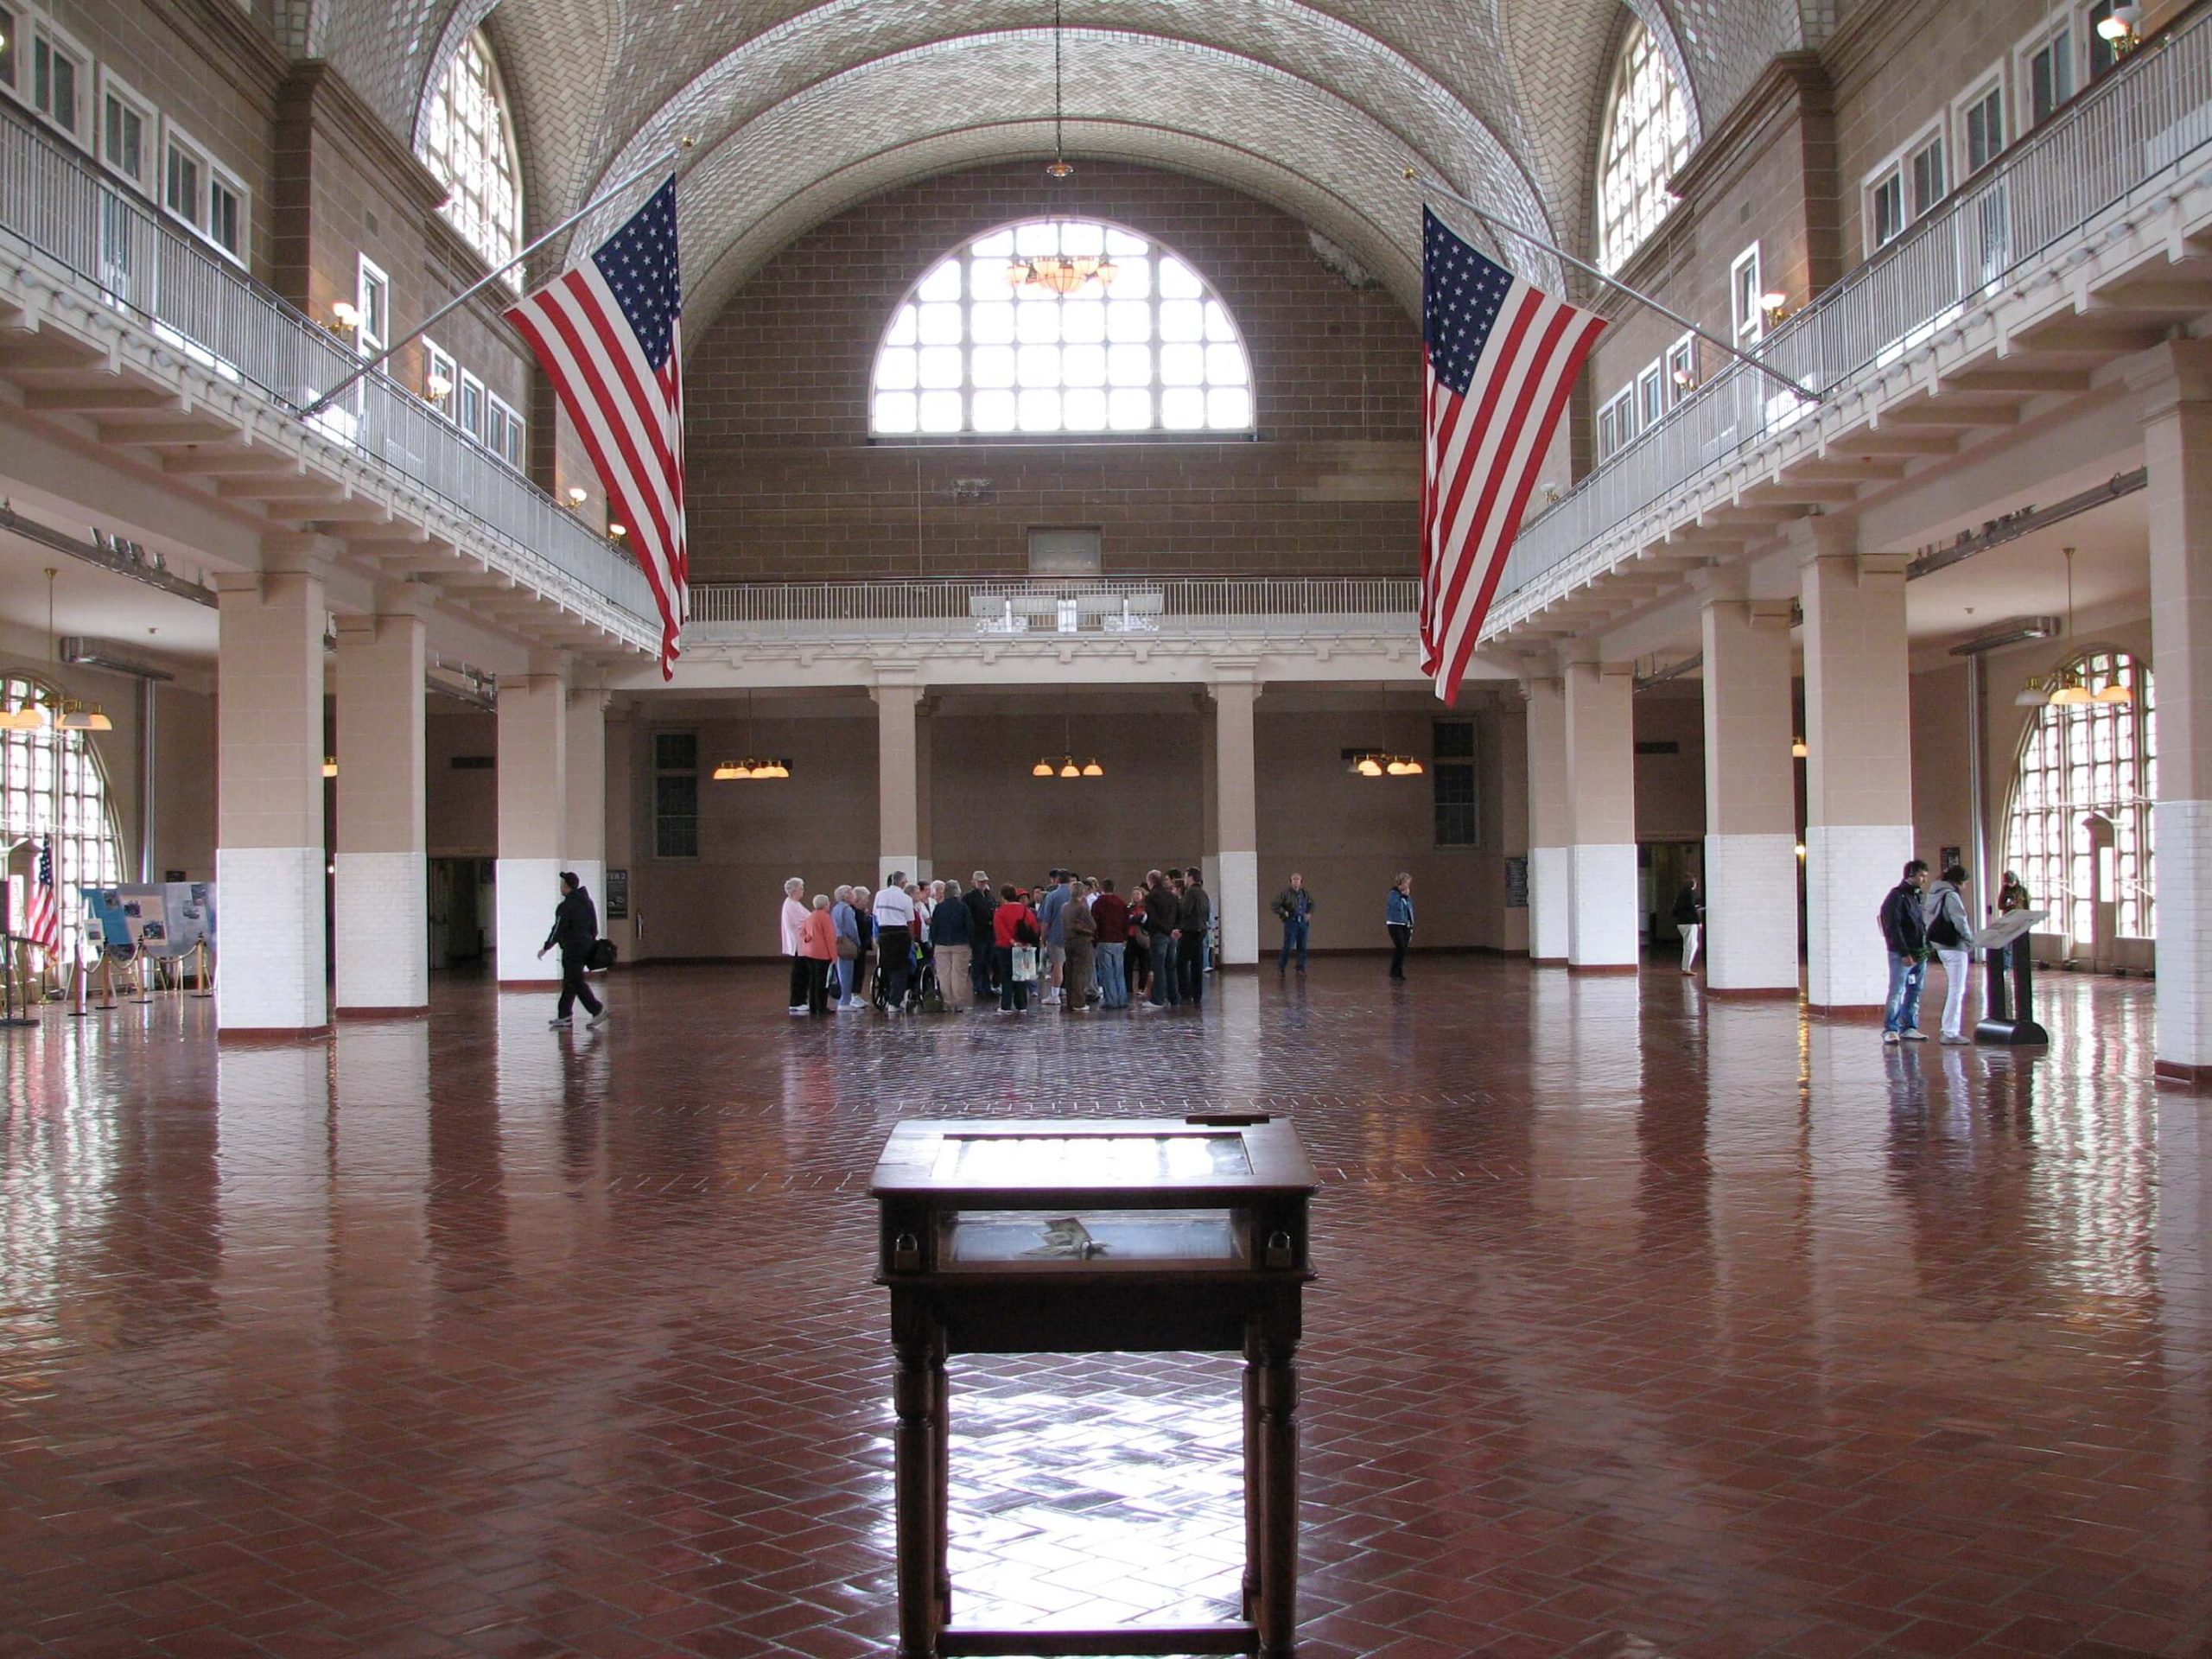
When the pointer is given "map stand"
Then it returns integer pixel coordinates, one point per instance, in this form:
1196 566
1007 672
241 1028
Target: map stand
2011 1021
1071 1235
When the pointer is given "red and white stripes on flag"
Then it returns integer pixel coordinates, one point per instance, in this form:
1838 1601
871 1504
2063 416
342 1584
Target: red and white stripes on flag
609 334
1500 357
42 922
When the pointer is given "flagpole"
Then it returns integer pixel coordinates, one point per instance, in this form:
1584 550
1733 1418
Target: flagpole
1430 186
371 365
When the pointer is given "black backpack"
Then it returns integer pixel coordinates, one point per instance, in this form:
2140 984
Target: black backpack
600 957
1944 933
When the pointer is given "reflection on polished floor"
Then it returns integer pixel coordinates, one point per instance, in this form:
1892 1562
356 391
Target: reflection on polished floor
1649 1325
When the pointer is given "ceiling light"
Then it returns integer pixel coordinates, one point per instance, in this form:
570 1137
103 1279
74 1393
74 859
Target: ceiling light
75 717
330 766
1059 275
1397 766
1369 766
25 718
2071 694
2033 694
2114 691
1068 768
1042 769
730 769
1797 749
1414 767
1092 769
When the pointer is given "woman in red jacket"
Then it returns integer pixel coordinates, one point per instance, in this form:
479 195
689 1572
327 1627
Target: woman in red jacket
1014 925
818 949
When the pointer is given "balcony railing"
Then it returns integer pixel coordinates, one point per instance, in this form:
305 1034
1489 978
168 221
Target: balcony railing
1055 605
124 256
2141 119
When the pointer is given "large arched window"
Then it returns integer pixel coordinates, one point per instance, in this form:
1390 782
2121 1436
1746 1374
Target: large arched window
470 146
51 786
1647 139
970 352
2079 763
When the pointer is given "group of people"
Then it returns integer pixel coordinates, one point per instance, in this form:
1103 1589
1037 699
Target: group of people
1074 943
1922 918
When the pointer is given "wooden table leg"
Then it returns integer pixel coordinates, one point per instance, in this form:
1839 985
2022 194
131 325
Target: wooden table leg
941 1416
1276 1381
1255 1479
916 1398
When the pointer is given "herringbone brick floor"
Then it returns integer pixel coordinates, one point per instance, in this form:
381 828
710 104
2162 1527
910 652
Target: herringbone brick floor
1648 1326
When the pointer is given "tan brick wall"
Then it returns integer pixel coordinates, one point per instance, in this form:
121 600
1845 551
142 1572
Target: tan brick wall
782 481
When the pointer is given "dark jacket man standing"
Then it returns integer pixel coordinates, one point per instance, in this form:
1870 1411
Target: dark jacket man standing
575 930
1904 932
1161 918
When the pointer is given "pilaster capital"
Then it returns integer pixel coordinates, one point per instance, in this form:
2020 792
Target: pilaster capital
299 553
409 598
1720 584
2171 374
1824 536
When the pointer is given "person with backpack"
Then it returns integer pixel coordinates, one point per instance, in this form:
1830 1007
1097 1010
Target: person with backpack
1951 933
1904 932
575 930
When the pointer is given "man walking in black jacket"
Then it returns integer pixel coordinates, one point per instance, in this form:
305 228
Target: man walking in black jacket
1194 914
575 930
1161 918
1904 930
982 899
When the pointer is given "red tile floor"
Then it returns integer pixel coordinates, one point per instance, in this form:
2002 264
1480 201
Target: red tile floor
1651 1326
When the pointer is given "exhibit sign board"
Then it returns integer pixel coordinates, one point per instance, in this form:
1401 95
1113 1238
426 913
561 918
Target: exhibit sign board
158 919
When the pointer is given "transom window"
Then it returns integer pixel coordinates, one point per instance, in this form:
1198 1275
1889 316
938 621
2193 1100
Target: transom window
470 147
1646 140
967 353
51 785
2080 762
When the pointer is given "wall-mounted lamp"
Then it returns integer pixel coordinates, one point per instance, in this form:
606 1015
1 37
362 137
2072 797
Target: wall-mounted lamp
437 389
616 532
2121 29
330 766
576 498
1684 380
1800 852
1773 306
1797 749
345 318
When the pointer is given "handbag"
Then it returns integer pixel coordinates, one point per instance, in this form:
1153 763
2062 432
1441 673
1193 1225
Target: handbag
848 948
1025 961
601 956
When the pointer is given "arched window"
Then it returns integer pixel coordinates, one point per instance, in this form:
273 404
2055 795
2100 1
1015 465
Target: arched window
2080 762
970 351
1647 139
470 146
51 785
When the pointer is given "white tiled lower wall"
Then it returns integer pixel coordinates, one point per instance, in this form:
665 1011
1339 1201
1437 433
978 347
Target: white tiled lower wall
1602 906
1236 896
384 948
269 961
1848 868
1550 887
528 890
1751 912
2183 833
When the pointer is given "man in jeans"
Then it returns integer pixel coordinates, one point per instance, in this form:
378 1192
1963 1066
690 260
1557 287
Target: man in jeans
894 940
1052 916
1904 931
1194 915
1111 912
1294 904
1160 922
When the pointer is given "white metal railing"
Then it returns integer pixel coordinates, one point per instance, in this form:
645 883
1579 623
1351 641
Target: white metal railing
1049 604
123 254
2140 120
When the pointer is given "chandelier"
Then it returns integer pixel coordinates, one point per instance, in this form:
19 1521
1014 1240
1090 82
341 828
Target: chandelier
2068 689
1059 275
751 767
1376 763
1065 766
40 709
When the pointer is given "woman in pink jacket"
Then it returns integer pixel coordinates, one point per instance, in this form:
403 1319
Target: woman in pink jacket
818 949
793 919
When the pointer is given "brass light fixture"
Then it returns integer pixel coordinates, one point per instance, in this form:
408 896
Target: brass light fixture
2069 692
1798 750
751 767
1059 275
1064 765
330 766
2121 29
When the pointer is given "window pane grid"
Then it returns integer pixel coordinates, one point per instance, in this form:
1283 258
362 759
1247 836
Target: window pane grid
2079 761
1647 141
470 147
967 354
51 786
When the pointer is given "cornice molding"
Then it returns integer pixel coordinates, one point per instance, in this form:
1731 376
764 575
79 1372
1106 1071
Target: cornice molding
226 37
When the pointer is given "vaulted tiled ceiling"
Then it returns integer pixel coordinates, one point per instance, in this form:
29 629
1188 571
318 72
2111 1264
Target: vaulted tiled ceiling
798 111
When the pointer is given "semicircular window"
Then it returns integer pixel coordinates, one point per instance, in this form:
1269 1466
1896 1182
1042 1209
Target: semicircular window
1066 327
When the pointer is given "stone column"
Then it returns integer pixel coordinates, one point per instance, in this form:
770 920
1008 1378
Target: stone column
2176 381
898 794
1859 773
1603 908
533 821
270 856
1751 799
1511 770
1548 902
584 845
1236 896
381 906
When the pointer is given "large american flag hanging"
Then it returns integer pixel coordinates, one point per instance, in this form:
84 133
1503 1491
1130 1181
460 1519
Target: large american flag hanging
43 925
1499 359
609 332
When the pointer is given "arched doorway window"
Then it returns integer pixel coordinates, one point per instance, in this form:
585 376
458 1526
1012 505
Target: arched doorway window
51 785
1147 347
1647 139
2080 762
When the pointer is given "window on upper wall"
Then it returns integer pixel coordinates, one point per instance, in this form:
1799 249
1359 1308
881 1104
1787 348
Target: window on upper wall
1650 397
469 145
1452 773
1981 123
60 80
11 51
1747 299
1904 188
441 379
2047 73
503 433
971 351
372 305
199 193
1616 423
469 411
2079 763
127 129
1681 370
1647 139
676 795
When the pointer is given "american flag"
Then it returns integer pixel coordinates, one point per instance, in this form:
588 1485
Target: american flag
43 925
1500 357
609 333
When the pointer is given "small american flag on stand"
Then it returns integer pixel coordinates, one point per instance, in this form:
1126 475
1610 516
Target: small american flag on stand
609 334
1499 358
42 925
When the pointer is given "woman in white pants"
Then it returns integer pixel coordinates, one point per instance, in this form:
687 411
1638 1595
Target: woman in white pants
1689 921
1950 933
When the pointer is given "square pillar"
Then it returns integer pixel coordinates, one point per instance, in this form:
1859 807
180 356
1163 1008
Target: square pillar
270 845
1751 800
533 822
1602 903
1237 820
1549 903
584 841
2176 380
1859 769
382 897
898 781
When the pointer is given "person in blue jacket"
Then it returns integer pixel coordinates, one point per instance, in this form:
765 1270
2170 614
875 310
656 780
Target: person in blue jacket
1399 917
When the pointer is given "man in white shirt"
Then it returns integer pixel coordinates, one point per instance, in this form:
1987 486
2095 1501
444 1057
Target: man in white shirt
894 940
